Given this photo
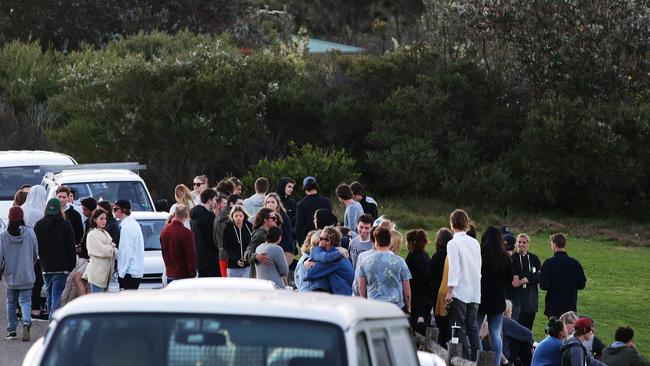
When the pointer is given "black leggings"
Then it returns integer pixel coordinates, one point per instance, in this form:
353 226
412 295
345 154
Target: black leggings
37 300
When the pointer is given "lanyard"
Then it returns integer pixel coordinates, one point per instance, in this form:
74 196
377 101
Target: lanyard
239 238
521 263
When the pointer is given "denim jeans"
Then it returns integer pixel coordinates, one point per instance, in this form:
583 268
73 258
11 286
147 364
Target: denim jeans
495 321
24 299
54 285
464 316
96 289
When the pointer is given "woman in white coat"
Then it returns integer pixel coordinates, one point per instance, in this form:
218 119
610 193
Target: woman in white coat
102 252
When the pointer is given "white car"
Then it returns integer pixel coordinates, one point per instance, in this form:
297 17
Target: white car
225 327
18 167
221 283
102 184
152 224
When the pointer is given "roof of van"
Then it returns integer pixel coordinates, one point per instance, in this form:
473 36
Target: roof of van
95 175
341 310
33 157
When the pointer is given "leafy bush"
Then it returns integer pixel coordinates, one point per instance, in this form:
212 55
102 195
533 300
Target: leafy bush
330 167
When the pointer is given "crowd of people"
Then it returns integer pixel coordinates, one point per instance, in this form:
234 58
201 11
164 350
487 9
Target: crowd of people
485 292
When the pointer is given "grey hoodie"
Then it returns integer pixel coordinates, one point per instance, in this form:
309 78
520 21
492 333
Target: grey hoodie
19 254
253 204
575 354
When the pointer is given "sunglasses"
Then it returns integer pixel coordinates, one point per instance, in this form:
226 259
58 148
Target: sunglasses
325 239
115 209
273 218
198 184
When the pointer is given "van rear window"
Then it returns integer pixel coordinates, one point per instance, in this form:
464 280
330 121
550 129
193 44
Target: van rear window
194 339
11 178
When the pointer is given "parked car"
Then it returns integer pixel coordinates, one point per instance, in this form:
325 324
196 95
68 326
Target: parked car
152 224
102 184
225 327
18 167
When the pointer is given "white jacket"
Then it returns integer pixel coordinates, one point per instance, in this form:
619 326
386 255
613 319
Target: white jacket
102 254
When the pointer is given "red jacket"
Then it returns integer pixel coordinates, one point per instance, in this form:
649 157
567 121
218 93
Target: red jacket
178 251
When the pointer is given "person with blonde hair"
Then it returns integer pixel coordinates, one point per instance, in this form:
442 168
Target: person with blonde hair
526 266
183 196
200 184
288 243
311 241
236 237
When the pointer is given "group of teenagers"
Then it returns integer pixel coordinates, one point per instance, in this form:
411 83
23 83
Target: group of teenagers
71 250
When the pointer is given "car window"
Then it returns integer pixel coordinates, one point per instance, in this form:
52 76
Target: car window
151 230
363 356
189 340
380 348
402 344
112 191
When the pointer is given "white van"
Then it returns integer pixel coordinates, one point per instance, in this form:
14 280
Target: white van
18 167
225 327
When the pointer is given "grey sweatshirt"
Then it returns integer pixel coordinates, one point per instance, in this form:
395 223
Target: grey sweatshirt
19 254
278 267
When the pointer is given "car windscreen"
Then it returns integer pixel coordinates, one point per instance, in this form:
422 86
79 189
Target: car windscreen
151 230
11 178
133 191
191 339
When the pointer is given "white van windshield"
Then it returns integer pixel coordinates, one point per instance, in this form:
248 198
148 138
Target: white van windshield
112 191
11 178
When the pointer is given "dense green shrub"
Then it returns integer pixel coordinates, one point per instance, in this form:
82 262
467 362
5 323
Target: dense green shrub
330 167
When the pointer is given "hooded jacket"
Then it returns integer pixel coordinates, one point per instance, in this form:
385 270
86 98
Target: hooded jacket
253 204
575 354
56 244
289 204
305 214
232 248
207 253
19 254
220 223
618 354
34 206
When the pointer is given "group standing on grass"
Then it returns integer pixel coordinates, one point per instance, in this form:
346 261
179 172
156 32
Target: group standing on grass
485 290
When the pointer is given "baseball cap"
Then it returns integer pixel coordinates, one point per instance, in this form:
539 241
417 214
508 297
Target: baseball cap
308 180
53 206
584 324
122 203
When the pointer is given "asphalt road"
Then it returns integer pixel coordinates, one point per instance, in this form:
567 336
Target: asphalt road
12 352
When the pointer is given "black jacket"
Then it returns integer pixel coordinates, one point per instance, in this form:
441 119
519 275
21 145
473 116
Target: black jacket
493 287
220 222
369 208
231 247
289 204
305 214
77 224
207 254
56 244
113 229
561 276
526 267
418 264
436 270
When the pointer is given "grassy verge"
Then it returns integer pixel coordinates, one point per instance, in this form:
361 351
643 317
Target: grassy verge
614 253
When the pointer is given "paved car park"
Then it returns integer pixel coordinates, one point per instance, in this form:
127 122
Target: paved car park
12 352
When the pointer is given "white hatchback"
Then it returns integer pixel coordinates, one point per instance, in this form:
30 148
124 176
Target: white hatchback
225 327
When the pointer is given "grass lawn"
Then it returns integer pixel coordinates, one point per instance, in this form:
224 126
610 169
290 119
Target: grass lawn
618 271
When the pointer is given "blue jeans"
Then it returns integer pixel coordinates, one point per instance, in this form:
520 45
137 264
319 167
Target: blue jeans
54 285
96 289
495 321
24 298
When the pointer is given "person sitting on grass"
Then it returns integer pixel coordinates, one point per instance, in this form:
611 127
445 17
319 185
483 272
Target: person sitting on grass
574 352
548 351
623 351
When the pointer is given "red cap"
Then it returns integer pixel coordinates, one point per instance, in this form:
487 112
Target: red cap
584 324
16 214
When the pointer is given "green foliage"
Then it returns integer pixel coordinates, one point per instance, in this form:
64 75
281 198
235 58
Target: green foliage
330 167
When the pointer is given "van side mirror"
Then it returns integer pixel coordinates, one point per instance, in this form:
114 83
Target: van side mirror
162 205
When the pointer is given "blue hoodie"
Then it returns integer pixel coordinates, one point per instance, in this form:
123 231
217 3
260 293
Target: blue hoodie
318 255
338 275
